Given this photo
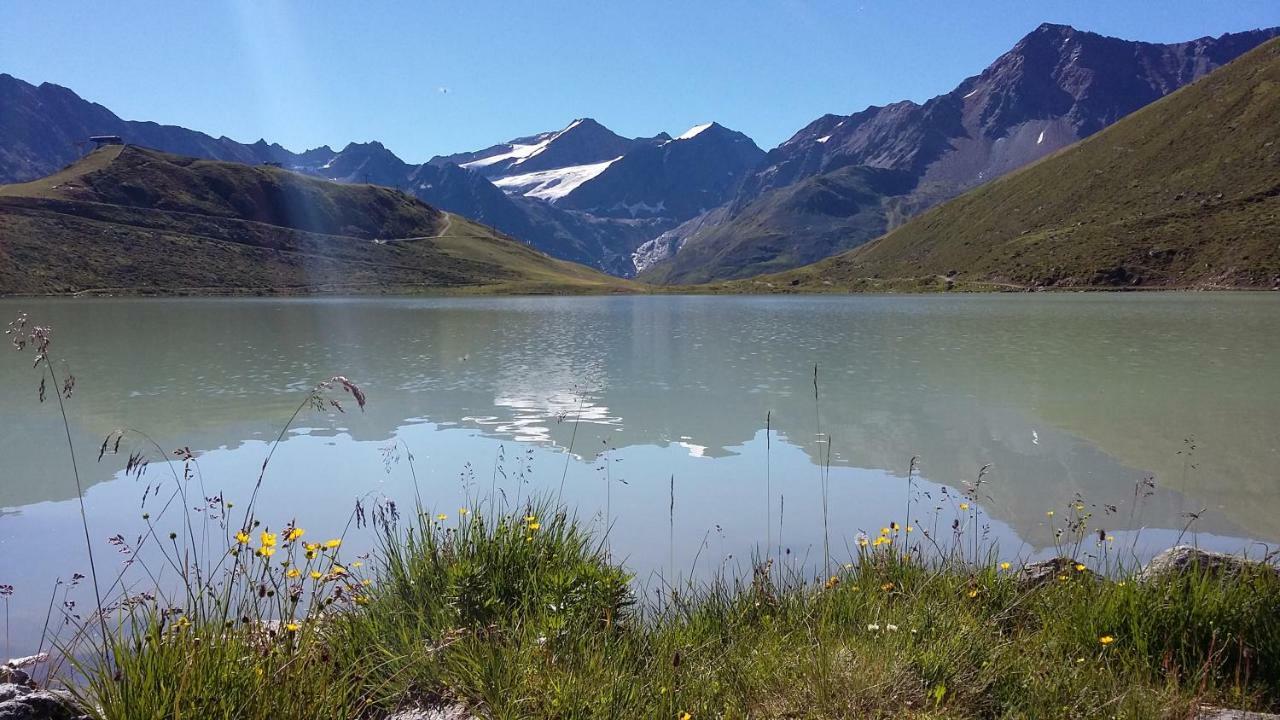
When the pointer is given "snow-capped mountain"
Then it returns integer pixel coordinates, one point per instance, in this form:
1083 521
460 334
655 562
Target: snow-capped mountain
675 179
550 165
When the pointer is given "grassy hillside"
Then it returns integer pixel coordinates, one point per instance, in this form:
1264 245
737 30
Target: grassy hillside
1183 193
132 220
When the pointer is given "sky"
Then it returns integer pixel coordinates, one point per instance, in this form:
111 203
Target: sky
431 77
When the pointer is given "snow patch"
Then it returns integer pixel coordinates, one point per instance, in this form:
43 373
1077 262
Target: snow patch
517 153
520 153
551 185
823 139
971 94
693 131
1041 138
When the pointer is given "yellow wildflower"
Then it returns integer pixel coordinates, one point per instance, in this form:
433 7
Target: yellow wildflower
357 564
1048 513
293 573
292 627
973 592
362 600
1106 639
464 512
686 716
964 506
366 582
534 525
294 534
1080 568
442 517
316 575
884 531
530 518
339 570
1005 566
887 587
268 539
1111 538
862 542
266 551
242 537
332 544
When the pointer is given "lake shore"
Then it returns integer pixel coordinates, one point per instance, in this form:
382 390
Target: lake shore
524 614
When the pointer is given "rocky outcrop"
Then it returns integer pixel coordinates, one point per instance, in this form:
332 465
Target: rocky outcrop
22 702
1056 569
1184 559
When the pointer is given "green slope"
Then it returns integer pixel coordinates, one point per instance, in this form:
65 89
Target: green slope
128 219
1183 193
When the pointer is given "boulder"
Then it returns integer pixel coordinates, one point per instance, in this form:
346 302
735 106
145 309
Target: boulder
1184 558
1039 573
20 702
1212 713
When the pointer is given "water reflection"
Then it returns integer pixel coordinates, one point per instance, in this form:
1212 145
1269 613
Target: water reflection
1064 396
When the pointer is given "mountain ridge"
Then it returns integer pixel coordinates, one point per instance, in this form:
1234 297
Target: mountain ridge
1056 86
1183 193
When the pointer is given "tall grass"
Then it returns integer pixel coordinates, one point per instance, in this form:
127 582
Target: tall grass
523 615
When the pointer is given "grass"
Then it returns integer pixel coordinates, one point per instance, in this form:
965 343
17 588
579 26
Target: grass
521 615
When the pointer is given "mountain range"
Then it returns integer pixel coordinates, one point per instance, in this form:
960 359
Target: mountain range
1184 193
844 180
707 204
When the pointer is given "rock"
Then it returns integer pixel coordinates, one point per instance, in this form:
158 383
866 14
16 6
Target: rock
19 702
1184 558
13 675
1212 713
1039 573
441 712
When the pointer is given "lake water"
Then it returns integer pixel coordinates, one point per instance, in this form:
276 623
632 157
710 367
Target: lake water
626 400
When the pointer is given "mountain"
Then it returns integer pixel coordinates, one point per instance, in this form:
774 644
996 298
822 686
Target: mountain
607 194
1182 193
129 219
675 179
1054 87
44 128
583 142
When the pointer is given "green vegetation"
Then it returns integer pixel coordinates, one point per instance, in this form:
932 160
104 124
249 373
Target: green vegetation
1184 193
130 220
522 615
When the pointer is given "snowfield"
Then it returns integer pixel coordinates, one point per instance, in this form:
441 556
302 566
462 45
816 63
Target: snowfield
551 185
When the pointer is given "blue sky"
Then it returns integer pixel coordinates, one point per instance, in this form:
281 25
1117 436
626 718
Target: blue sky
438 77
